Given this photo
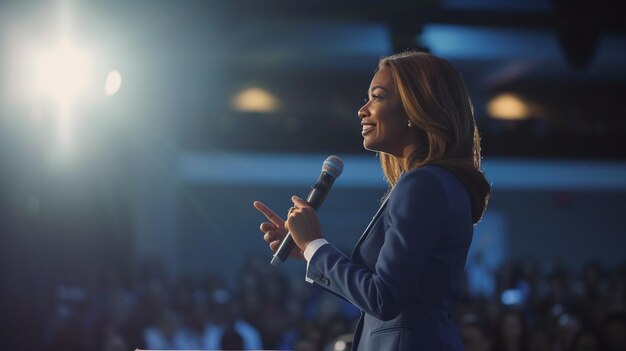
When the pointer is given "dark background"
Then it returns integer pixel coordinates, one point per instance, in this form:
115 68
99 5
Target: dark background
119 197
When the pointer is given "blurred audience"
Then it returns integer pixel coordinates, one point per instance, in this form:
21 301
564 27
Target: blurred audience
476 334
528 309
511 331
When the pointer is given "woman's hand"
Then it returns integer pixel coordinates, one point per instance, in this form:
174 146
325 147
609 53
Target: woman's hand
274 231
302 223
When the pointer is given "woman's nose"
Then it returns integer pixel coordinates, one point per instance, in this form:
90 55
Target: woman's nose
362 112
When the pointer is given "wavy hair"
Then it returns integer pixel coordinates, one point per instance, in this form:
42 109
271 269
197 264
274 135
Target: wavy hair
436 101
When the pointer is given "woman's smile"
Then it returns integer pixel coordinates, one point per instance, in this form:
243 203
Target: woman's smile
367 128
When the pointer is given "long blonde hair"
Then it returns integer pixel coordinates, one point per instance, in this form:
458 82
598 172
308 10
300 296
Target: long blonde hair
436 101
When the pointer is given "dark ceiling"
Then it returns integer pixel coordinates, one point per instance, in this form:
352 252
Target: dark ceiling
184 60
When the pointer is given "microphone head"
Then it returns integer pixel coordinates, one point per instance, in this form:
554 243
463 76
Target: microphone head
333 166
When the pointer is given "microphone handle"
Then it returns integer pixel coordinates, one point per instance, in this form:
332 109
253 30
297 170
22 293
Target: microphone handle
316 196
320 190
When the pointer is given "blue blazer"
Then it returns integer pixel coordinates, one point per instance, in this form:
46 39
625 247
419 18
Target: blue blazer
406 270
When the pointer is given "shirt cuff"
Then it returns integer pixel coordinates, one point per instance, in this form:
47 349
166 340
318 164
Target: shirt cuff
308 253
312 247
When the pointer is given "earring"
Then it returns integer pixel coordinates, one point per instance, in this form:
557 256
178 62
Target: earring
410 124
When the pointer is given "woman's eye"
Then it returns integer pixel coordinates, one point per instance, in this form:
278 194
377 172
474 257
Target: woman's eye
373 97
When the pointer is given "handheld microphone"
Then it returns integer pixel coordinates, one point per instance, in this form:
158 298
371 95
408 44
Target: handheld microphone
331 170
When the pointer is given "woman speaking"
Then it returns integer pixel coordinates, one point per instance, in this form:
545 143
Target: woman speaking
406 271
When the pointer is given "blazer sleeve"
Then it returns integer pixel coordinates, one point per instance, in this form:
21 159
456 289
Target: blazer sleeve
417 211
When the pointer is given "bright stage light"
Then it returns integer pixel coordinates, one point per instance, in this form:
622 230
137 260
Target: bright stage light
55 68
255 100
62 73
112 83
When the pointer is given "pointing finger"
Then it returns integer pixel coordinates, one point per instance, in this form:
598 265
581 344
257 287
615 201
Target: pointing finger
267 212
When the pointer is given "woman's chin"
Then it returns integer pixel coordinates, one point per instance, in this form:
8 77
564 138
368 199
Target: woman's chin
368 146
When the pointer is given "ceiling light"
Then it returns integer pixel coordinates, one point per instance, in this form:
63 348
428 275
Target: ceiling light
255 100
508 106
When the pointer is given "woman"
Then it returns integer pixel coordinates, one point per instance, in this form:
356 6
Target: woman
405 273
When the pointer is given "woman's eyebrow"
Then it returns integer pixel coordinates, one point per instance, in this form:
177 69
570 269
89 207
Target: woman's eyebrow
378 87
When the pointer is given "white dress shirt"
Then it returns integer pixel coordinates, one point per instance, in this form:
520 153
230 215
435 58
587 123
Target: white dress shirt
308 253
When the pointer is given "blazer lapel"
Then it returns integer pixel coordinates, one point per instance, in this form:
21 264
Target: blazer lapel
369 226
